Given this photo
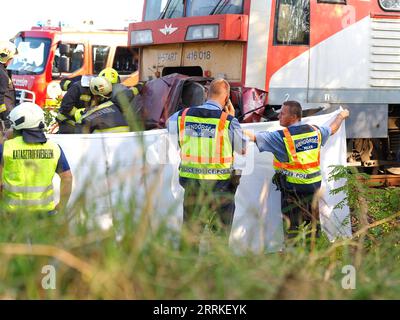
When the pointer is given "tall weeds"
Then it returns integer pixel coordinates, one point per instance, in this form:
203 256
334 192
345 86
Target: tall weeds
138 259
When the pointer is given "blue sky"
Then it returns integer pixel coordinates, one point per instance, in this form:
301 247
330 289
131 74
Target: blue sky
23 14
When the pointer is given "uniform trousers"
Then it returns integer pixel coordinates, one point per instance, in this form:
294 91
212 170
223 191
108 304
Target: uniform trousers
297 209
207 203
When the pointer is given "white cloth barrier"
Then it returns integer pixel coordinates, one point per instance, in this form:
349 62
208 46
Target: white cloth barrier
111 170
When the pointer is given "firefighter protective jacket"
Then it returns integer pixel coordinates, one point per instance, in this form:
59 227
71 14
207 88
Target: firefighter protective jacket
65 84
124 97
106 117
7 92
77 97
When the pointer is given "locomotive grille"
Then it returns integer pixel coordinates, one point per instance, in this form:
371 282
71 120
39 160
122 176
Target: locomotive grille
385 53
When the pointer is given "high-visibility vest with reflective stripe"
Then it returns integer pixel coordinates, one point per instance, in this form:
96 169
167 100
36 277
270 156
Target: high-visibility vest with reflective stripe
28 174
303 145
206 149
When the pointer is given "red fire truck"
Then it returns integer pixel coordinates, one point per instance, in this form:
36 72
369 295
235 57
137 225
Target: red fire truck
323 53
46 55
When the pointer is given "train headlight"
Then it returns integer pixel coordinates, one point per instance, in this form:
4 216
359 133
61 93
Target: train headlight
141 37
54 90
202 32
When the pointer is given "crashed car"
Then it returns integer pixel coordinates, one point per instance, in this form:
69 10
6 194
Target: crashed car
162 97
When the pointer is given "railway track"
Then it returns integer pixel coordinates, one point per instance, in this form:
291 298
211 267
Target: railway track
382 180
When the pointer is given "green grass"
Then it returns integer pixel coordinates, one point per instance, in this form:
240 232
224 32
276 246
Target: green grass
136 260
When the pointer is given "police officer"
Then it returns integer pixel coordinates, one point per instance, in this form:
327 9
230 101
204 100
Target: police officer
29 162
207 136
7 91
77 98
296 151
105 116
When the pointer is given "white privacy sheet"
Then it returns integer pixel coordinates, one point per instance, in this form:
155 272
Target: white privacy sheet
112 171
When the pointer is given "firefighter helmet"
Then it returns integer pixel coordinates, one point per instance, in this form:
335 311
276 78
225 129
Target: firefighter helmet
101 86
111 74
7 51
27 115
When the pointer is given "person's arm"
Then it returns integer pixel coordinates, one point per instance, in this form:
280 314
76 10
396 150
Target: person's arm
69 101
269 141
65 189
228 108
1 170
3 89
1 181
239 140
172 124
172 127
250 135
335 125
64 171
240 143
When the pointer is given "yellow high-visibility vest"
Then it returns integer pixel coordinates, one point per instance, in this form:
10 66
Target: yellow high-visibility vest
303 150
28 174
206 149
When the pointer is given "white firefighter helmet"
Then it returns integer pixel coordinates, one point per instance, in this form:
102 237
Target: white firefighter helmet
7 51
101 86
27 115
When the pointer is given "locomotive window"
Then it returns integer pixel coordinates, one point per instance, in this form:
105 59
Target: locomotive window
292 22
332 1
163 9
208 7
390 5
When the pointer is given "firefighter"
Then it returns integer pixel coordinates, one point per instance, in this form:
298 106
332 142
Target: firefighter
124 98
7 91
207 136
66 83
29 162
296 151
77 99
122 95
105 116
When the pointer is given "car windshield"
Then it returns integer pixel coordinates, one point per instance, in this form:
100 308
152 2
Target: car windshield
163 9
210 7
32 55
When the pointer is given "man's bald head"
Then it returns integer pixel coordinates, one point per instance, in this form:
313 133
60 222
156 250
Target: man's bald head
219 91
